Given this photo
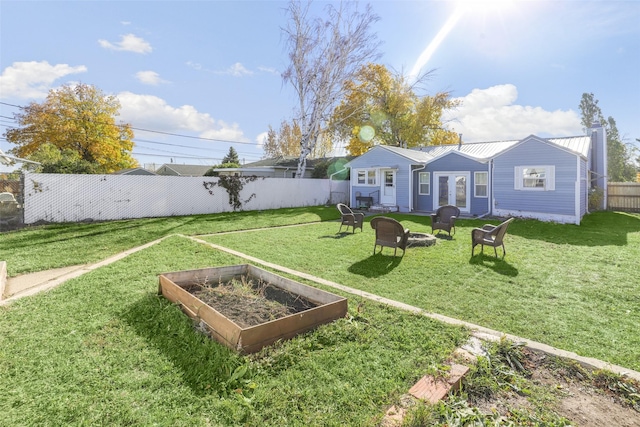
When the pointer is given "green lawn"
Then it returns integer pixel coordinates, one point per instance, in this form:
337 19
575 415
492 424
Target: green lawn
105 349
572 287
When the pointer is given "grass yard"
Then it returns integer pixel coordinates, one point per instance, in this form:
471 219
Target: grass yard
105 349
572 287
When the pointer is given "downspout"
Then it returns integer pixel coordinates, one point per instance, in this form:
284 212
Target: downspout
411 185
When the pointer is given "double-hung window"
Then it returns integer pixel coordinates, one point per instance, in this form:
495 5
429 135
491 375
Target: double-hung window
535 178
481 184
424 183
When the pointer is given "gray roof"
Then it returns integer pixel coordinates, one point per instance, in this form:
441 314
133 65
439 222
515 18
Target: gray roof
182 170
134 171
288 162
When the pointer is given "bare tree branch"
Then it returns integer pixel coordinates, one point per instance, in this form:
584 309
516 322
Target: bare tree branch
323 54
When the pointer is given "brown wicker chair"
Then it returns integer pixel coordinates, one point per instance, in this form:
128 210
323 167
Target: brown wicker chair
490 235
390 233
445 219
350 218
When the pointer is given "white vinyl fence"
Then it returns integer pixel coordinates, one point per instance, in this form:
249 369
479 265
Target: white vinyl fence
76 198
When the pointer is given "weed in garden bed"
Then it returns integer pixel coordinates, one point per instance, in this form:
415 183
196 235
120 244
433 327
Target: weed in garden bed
249 301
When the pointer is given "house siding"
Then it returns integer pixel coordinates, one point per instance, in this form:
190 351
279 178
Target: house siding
557 203
379 158
452 163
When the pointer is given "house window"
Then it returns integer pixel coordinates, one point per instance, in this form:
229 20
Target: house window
481 184
424 184
367 177
535 178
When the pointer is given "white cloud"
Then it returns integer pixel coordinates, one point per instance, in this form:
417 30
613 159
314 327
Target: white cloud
33 80
491 114
269 70
237 70
194 65
129 43
261 139
149 78
153 113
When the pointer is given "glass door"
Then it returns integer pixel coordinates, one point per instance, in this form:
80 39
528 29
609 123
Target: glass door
453 189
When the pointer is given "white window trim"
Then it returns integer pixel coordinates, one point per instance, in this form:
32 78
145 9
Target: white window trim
549 180
428 174
475 185
366 177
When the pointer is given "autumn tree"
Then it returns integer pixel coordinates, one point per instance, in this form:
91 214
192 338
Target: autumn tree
620 167
54 160
380 107
286 142
76 119
324 53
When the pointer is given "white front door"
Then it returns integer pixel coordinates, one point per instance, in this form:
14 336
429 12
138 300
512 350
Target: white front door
388 189
451 188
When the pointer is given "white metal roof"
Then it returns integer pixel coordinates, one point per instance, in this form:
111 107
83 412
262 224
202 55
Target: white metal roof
483 151
577 144
476 150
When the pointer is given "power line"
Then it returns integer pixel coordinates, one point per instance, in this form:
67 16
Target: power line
166 133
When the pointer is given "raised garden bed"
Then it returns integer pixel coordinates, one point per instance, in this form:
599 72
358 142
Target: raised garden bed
246 308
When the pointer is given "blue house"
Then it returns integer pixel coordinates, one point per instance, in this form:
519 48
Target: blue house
544 178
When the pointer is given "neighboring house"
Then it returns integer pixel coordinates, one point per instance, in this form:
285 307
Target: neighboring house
275 167
543 178
134 171
172 169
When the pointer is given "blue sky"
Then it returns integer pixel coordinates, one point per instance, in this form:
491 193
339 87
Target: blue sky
211 69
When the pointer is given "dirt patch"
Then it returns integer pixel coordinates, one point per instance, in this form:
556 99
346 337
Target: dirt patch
580 397
249 301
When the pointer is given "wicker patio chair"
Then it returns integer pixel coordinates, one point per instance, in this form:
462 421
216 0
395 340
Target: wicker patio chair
350 218
445 219
490 235
390 233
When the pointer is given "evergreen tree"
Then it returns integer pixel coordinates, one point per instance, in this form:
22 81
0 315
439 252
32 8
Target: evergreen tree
231 157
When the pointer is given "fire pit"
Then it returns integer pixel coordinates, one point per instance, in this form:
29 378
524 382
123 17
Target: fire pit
421 239
247 308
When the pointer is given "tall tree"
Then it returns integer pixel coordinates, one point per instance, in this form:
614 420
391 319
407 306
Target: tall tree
286 142
79 119
231 157
323 54
380 107
620 167
54 160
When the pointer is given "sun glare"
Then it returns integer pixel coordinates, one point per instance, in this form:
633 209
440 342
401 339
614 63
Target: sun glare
485 15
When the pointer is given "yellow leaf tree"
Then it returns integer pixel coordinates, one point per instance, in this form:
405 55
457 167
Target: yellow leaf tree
286 142
75 119
380 107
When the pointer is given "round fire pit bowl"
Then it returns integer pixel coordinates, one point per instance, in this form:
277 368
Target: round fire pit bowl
421 239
